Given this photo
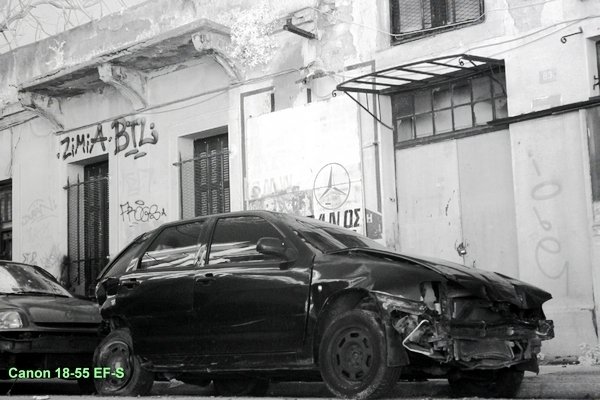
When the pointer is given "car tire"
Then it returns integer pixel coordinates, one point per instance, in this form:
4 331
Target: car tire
504 383
116 351
241 387
353 356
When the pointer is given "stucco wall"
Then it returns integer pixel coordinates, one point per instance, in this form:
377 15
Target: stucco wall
553 225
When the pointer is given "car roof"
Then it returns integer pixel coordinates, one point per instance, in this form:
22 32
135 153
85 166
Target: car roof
246 213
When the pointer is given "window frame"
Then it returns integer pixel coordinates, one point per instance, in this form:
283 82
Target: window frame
142 241
398 37
250 263
474 129
201 261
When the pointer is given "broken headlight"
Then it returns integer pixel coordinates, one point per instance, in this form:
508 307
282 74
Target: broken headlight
391 303
430 295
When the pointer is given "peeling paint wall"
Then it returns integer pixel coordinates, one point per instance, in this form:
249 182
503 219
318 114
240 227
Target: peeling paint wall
553 225
538 226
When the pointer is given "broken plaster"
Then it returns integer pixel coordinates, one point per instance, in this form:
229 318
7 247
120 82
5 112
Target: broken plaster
216 44
130 83
48 108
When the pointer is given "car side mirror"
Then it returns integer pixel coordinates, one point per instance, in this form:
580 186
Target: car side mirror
271 246
275 247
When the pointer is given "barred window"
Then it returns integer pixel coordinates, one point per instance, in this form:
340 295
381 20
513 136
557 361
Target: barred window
411 18
6 220
452 107
5 203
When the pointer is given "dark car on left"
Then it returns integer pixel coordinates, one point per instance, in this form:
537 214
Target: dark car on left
44 329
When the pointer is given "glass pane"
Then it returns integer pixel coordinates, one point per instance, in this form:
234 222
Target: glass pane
461 93
422 101
463 117
402 105
126 261
423 125
235 240
467 10
441 98
443 121
404 129
176 246
501 108
410 15
481 88
499 84
483 112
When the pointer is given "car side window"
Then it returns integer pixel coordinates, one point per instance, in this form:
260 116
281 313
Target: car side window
235 239
176 246
127 260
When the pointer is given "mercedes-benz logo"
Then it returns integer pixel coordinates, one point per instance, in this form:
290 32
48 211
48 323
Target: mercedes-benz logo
332 186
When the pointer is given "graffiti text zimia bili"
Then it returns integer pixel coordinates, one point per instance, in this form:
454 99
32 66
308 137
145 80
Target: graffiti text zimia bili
127 136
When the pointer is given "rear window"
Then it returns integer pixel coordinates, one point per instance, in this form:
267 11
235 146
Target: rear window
327 238
128 257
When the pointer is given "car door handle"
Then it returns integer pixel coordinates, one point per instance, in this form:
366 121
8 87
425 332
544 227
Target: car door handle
130 283
205 279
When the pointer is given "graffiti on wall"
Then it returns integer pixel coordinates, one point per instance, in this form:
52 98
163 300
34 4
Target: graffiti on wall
119 136
290 200
38 223
548 248
39 210
137 182
140 212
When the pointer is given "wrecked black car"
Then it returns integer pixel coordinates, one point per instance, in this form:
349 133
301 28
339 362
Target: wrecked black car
247 298
45 332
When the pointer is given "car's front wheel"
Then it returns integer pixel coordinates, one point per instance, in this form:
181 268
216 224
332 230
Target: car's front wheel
126 376
503 383
353 354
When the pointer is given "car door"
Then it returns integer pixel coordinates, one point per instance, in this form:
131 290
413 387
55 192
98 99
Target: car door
247 302
156 298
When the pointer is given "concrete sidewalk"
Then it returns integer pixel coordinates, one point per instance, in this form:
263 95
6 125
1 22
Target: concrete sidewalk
553 382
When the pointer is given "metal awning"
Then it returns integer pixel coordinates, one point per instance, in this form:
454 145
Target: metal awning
419 74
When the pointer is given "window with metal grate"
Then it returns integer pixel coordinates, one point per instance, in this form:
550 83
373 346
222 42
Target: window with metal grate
413 18
457 107
88 234
204 179
6 220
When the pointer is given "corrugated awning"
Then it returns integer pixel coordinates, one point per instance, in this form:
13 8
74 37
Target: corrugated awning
419 74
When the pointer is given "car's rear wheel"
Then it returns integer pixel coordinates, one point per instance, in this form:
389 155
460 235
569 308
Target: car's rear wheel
116 352
353 355
496 383
241 387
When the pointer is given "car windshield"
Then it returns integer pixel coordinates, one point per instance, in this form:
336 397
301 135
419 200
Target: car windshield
26 279
329 238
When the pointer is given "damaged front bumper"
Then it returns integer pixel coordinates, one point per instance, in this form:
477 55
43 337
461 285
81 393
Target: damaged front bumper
468 333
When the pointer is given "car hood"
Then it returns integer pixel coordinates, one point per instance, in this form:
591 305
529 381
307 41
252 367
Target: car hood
53 309
490 285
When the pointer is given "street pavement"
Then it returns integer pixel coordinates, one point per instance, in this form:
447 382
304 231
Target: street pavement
553 382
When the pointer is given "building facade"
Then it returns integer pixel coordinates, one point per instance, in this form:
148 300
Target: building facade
463 129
